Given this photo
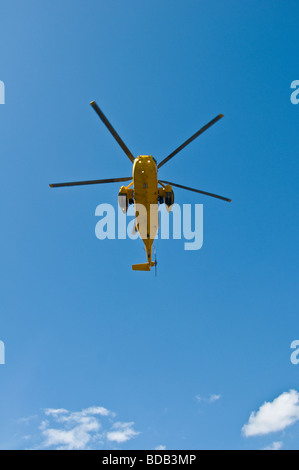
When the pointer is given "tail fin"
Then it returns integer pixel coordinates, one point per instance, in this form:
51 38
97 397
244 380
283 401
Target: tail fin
143 266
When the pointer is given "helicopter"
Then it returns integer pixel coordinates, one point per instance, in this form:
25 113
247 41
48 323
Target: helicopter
145 190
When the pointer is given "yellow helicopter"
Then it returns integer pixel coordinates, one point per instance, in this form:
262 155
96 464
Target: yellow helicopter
145 191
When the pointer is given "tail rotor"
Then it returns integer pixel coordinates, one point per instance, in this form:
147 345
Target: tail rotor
156 262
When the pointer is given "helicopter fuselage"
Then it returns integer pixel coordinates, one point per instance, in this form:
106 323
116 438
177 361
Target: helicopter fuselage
145 181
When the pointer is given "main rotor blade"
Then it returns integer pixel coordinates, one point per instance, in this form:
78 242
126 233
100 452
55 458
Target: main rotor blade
196 191
203 129
81 183
112 130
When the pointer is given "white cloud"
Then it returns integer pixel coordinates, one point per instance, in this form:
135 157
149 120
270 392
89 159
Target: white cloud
28 419
122 432
274 446
98 410
76 438
73 430
214 397
274 416
160 447
211 399
54 412
77 431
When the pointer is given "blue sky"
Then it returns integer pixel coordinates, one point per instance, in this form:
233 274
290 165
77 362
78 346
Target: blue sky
130 360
